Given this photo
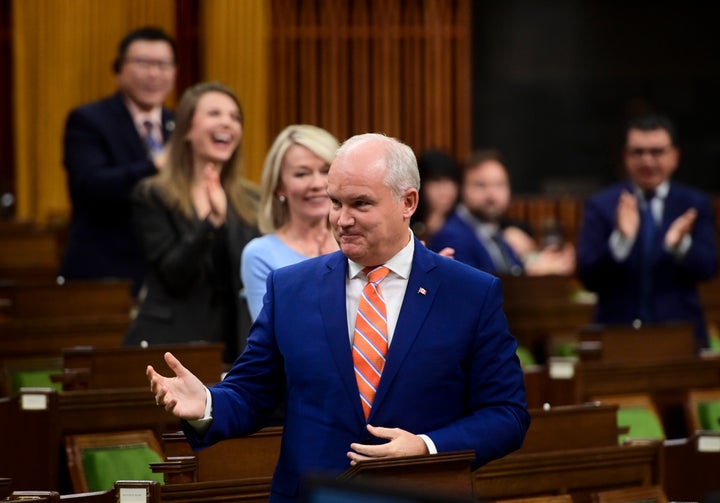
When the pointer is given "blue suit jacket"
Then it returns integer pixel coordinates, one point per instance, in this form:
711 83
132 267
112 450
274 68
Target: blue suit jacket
451 371
456 233
104 157
617 284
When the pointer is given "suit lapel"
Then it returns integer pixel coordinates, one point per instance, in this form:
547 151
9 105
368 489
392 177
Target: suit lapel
421 290
334 314
126 128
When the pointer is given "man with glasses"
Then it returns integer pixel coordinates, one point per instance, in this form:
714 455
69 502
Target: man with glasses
646 243
109 145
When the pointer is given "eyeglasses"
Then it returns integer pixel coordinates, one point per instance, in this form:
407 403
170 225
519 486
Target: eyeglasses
147 64
654 152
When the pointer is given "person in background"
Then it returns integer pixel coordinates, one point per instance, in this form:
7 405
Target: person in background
646 243
110 145
439 191
192 220
482 236
443 374
293 207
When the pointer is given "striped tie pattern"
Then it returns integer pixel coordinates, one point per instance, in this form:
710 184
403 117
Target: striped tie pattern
370 340
152 143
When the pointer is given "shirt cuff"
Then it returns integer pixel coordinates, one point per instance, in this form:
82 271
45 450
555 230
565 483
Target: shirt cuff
681 249
429 443
201 425
620 247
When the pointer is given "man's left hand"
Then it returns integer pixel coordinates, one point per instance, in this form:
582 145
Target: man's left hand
400 443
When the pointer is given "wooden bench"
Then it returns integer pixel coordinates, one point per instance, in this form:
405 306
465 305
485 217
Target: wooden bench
28 251
125 491
570 450
692 466
251 457
539 307
33 299
124 367
34 424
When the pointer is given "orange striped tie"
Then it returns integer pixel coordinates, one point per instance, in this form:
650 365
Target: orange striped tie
370 340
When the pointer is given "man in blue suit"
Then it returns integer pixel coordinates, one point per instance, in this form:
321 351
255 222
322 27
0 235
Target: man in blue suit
109 145
451 380
645 244
481 235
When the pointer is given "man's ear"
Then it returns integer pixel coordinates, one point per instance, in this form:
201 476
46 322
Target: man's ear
410 202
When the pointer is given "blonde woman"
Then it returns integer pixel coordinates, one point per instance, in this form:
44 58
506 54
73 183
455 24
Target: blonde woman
193 219
294 207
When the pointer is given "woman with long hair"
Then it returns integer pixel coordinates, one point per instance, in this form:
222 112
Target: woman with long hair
193 220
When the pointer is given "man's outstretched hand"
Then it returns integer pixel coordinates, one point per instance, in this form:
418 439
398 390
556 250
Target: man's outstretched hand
183 395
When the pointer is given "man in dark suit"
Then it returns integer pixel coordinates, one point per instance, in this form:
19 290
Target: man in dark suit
450 379
646 243
109 145
480 233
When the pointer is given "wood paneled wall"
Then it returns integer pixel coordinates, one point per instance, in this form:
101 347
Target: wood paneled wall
401 67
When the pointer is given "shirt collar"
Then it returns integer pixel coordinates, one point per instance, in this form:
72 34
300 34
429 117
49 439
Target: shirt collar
400 263
139 116
661 191
486 228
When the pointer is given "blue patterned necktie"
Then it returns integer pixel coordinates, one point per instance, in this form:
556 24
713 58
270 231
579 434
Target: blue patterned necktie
153 145
648 245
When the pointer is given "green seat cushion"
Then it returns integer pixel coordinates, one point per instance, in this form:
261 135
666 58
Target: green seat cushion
642 423
709 413
525 356
104 466
714 341
34 378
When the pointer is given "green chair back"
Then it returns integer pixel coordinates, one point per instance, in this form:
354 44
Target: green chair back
709 414
642 423
103 466
525 356
34 378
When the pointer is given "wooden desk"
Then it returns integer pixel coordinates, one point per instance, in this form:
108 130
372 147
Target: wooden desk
578 472
692 467
538 307
124 367
667 383
35 423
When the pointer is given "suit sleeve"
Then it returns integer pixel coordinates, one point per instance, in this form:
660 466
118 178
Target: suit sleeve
595 262
94 175
701 260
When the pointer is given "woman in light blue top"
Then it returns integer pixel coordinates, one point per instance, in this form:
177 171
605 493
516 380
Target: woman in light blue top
293 208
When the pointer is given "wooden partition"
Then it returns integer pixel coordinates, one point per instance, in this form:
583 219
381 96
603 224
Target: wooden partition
28 251
666 382
570 450
692 466
367 65
541 307
34 424
124 367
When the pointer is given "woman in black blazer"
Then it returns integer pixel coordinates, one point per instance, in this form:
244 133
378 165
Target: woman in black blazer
193 219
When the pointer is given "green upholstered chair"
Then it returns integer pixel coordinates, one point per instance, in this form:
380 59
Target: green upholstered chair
97 460
525 356
642 423
35 378
638 414
703 409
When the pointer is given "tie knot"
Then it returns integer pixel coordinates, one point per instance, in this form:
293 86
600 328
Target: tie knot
649 195
376 274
